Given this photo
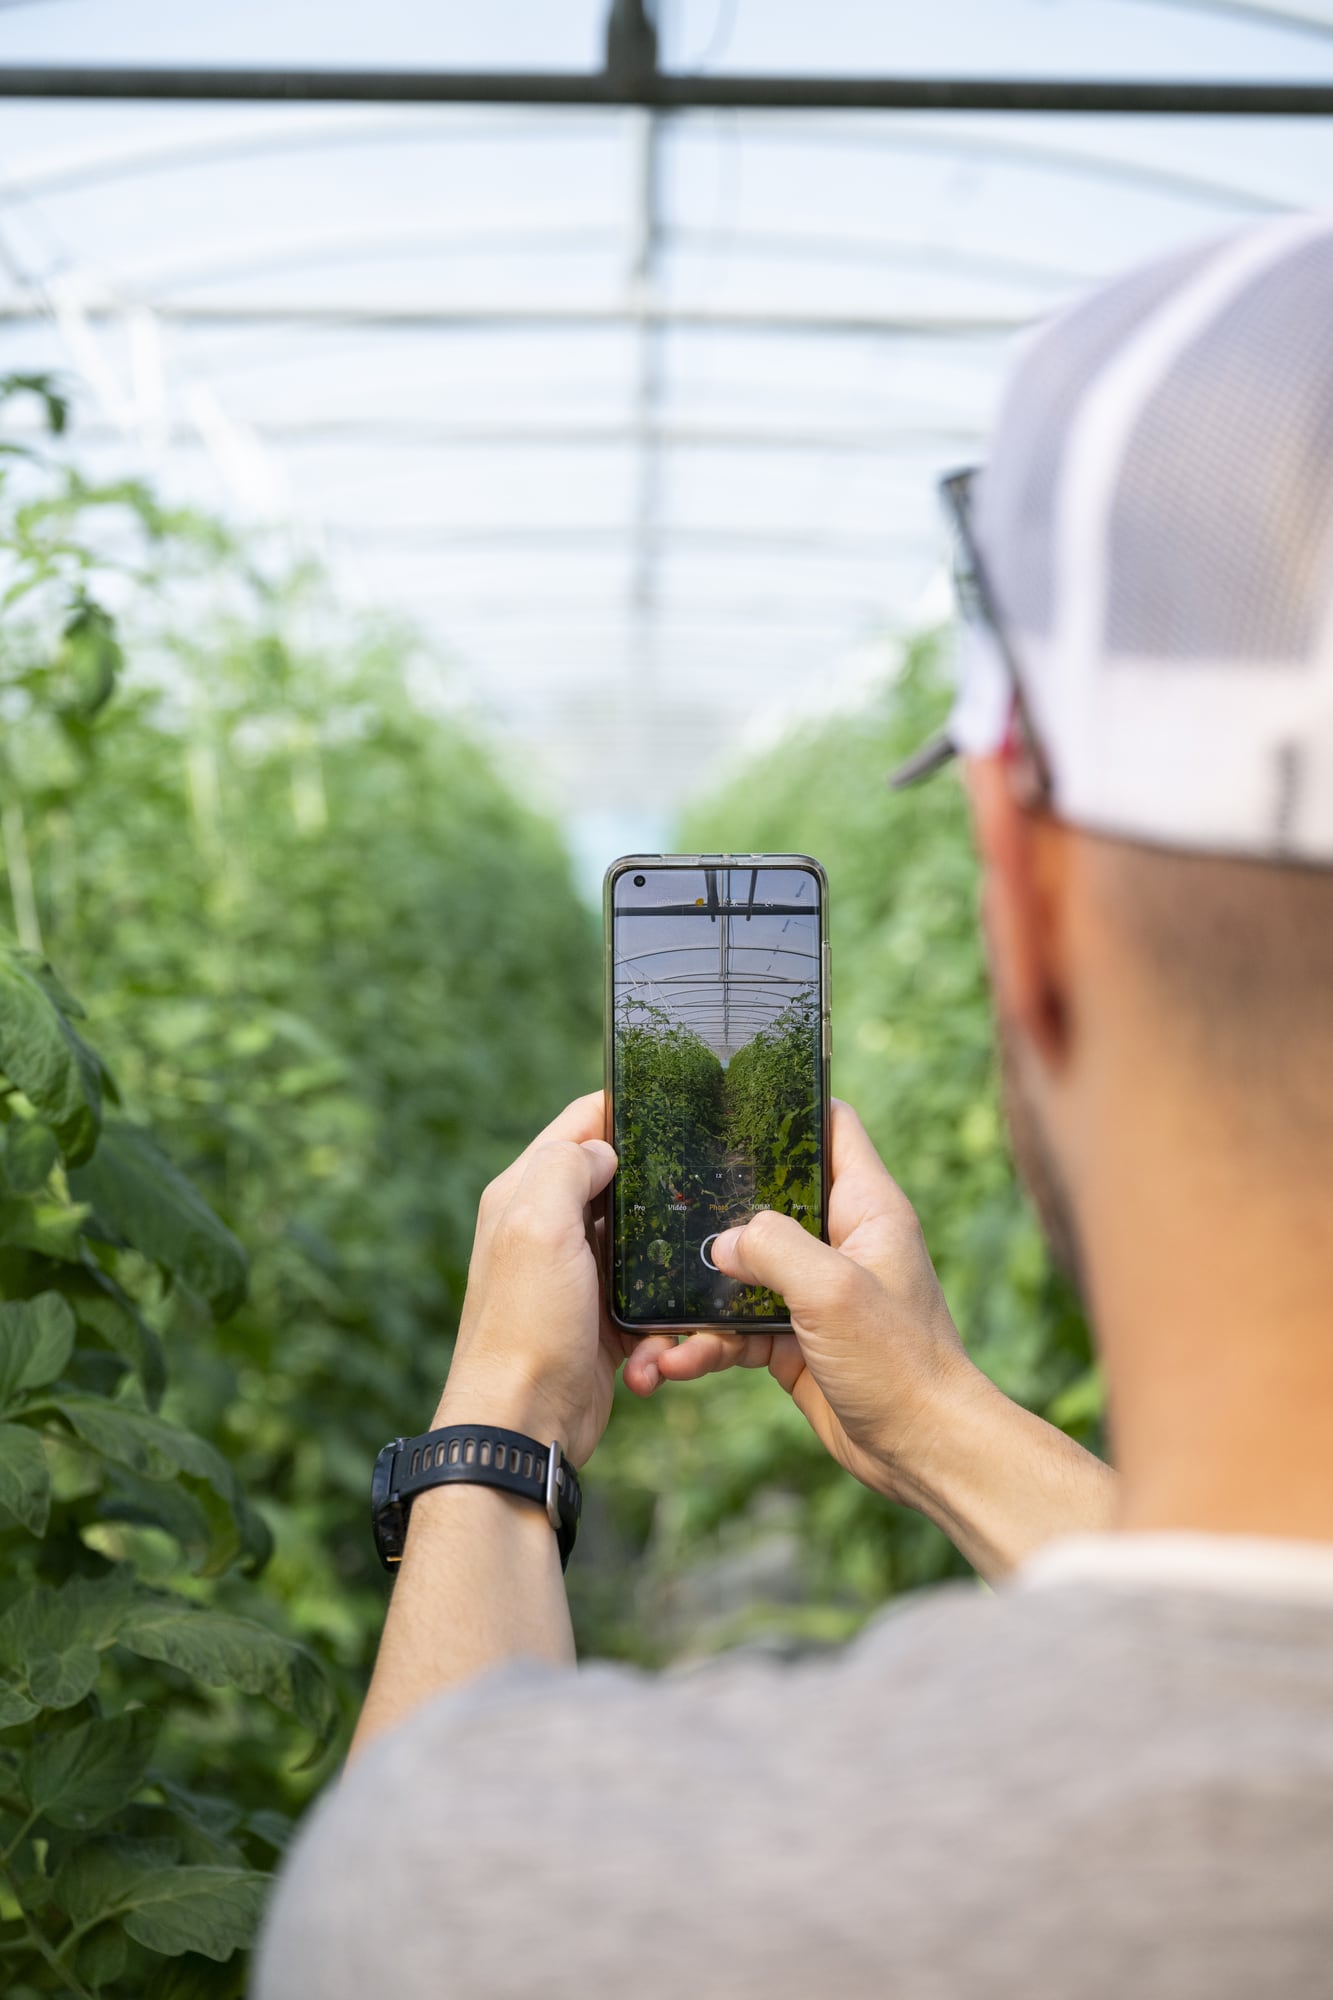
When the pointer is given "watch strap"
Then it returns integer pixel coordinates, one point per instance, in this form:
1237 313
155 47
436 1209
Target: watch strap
487 1455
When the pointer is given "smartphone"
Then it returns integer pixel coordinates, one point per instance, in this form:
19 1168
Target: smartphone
717 1058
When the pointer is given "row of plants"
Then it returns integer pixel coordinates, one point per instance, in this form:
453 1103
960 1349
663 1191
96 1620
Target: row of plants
770 1109
702 1144
315 929
669 1139
131 1627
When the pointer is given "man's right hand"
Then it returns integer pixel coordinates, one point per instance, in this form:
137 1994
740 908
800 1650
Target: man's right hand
875 1360
876 1367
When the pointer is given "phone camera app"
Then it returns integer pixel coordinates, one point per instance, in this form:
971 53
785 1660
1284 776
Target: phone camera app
717 1083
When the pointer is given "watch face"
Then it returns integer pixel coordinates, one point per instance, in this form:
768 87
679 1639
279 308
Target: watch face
380 1477
391 1533
388 1517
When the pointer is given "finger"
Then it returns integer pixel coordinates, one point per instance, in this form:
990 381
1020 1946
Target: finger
561 1176
861 1185
644 1355
711 1352
786 1364
580 1121
545 1214
775 1251
584 1118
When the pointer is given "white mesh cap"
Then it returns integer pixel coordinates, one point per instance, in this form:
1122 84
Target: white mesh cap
1156 526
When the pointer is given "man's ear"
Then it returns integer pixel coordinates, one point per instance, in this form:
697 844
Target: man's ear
1025 881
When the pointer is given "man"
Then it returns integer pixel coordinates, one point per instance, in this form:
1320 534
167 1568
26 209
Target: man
1114 1774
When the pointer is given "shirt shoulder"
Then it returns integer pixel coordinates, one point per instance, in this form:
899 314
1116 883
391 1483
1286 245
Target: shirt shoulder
950 1776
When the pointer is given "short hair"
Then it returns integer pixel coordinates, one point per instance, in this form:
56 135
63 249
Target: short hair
1241 954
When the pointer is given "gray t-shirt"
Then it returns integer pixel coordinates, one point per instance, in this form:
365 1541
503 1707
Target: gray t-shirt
1113 1778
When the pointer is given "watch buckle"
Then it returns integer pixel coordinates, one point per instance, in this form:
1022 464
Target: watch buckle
553 1485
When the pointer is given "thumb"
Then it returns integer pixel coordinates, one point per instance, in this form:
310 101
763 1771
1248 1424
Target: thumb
816 1280
561 1177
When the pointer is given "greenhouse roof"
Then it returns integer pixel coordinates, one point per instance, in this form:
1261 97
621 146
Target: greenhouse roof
636 414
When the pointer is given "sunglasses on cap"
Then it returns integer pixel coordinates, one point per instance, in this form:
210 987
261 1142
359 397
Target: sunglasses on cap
977 608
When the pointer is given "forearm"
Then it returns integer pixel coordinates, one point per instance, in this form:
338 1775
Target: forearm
1001 1482
480 1583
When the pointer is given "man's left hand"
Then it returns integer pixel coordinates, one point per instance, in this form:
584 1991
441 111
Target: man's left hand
536 1350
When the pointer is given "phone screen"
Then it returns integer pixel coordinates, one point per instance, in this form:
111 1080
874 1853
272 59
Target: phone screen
717 1057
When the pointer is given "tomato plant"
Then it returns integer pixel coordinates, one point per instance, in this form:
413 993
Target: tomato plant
125 1867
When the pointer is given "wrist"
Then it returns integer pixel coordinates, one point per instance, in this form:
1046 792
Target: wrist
944 1439
997 1479
510 1403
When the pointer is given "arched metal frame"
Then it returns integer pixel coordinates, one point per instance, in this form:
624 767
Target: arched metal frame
724 998
195 296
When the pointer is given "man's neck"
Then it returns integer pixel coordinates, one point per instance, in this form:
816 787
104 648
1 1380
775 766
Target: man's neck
1211 1279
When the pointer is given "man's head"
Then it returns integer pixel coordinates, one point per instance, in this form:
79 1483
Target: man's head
1155 529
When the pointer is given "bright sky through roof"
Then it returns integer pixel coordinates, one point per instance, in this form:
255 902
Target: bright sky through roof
640 424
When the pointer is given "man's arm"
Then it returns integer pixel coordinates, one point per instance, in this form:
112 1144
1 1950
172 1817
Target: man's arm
480 1580
479 1584
875 1365
1001 1482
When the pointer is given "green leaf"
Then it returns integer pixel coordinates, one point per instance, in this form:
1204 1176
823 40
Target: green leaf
225 1651
40 1052
90 659
15 1705
54 404
105 1310
140 1439
191 1978
50 1639
215 1911
99 1877
25 1477
36 1341
169 1505
59 1680
135 1190
201 1826
54 987
80 1619
273 1828
153 1449
168 1909
52 1228
218 1817
78 1776
30 1153
100 1959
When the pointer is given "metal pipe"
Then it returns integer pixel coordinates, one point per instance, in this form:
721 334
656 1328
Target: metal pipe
539 315
658 91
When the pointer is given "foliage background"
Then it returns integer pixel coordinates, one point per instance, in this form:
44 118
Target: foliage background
341 970
675 1083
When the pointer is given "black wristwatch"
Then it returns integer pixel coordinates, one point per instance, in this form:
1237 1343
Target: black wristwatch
471 1455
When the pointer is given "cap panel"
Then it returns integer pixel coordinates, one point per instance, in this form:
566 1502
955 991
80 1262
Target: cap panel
1072 704
1156 526
1221 525
1016 491
1212 757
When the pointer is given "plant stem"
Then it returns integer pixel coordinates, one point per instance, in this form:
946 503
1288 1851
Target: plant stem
20 876
67 1978
21 1835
